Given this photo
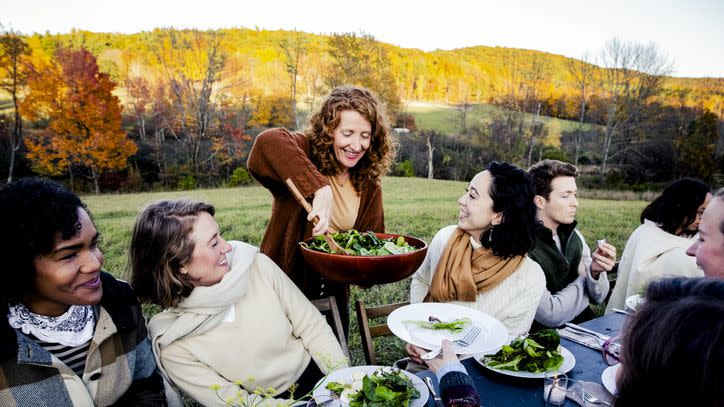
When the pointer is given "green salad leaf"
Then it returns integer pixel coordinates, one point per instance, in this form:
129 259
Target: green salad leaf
536 352
362 244
386 387
433 323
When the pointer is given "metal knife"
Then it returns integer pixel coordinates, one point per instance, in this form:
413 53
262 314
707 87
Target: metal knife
438 400
588 331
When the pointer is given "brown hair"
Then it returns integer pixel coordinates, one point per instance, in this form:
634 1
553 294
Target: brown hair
379 156
675 341
160 245
543 172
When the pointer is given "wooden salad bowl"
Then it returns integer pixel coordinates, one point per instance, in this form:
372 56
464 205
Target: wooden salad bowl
366 270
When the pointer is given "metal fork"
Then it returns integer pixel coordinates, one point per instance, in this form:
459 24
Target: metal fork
593 400
466 340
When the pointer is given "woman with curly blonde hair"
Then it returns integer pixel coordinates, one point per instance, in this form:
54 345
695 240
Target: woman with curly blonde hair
338 161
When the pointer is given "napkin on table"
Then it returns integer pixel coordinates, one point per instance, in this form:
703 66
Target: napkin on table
582 338
595 389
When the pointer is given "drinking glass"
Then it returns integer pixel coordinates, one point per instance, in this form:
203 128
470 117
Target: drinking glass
555 385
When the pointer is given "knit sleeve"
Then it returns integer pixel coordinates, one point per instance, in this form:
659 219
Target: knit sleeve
278 154
521 312
457 390
555 309
596 289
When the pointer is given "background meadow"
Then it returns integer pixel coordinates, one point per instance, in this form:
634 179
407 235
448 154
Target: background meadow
413 206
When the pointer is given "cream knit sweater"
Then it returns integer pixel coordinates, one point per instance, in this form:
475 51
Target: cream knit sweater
513 301
271 335
651 253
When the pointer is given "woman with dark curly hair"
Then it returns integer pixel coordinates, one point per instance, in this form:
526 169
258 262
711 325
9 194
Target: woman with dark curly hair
657 248
481 262
338 161
70 334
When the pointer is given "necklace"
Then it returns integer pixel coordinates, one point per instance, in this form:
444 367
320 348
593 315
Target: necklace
338 181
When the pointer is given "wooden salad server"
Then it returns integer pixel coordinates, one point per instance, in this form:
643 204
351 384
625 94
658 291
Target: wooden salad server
333 245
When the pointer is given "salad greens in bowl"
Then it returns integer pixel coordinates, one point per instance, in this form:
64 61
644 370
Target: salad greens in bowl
376 258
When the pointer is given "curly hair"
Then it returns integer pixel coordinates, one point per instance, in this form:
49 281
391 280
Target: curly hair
677 205
35 213
543 172
378 158
160 245
512 192
675 339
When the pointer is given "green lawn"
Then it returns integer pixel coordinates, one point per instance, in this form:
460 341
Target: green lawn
446 118
413 206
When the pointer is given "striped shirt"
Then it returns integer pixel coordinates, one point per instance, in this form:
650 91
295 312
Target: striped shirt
72 356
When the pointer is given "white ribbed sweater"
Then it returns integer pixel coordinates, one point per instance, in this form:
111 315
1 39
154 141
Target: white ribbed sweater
513 301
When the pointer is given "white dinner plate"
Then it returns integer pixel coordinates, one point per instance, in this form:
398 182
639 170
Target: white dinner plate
321 394
634 301
608 378
568 362
492 336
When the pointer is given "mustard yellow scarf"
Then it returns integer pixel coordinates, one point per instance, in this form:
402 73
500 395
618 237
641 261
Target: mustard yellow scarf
463 272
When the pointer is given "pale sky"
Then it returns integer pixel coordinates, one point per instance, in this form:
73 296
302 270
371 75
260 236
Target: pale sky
691 32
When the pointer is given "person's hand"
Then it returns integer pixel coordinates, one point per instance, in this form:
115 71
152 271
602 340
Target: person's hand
414 353
448 355
322 205
604 258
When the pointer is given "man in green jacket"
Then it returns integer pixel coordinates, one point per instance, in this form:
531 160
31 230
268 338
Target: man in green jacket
575 277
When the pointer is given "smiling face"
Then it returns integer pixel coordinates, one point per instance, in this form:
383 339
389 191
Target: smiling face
709 245
560 207
208 263
352 138
476 207
69 274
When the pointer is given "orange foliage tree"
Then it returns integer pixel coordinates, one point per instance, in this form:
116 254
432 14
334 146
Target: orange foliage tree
84 118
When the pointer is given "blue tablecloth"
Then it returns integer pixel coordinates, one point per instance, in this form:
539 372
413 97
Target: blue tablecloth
497 390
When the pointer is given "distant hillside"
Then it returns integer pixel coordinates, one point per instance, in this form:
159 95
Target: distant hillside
255 59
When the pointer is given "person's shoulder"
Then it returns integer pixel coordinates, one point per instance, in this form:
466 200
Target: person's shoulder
445 232
532 270
276 133
115 288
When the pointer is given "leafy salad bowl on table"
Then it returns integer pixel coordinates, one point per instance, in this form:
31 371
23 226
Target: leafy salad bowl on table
530 356
378 386
375 258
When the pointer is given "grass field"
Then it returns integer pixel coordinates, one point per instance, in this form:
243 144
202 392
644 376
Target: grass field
413 206
446 118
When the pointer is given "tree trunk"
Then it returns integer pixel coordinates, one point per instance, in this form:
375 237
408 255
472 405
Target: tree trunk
430 149
608 136
95 181
16 138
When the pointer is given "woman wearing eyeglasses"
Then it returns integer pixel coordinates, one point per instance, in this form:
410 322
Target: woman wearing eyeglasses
673 348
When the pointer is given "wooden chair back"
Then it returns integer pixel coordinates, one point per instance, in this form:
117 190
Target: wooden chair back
367 331
328 307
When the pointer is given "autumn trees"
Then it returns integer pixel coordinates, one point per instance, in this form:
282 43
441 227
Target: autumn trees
192 100
84 118
13 76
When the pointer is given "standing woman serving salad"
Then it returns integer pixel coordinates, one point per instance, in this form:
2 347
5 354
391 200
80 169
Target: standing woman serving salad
338 161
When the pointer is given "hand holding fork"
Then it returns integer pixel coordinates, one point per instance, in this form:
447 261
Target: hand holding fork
466 340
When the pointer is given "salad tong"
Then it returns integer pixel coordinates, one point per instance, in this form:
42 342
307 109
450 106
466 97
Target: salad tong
333 245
